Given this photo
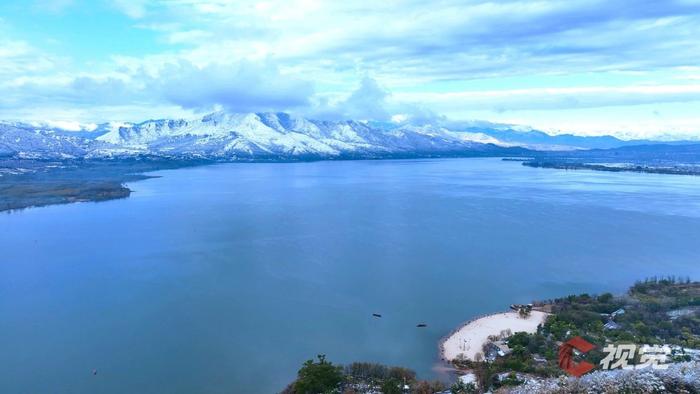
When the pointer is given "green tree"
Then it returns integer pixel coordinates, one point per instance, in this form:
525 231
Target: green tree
524 312
318 377
605 298
463 388
391 386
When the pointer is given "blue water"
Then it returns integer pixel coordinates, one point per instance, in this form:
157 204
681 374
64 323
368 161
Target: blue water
224 279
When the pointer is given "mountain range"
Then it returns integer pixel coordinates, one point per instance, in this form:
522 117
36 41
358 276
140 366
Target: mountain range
231 136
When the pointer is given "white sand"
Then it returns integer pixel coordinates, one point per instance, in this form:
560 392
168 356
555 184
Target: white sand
470 339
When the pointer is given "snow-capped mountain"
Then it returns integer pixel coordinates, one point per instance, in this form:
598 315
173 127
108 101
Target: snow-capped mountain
222 136
253 135
277 134
26 141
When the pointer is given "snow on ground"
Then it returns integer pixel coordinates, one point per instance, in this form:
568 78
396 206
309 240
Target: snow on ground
676 378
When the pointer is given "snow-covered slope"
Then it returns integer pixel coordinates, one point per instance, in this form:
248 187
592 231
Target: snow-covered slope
25 141
224 135
251 135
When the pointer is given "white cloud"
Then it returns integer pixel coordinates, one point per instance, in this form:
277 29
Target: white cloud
18 58
557 98
133 8
308 55
240 87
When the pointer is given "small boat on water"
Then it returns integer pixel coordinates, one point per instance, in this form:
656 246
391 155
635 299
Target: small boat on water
421 325
376 315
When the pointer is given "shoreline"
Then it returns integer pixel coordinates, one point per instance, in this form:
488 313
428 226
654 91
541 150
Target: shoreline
642 169
444 338
33 183
474 333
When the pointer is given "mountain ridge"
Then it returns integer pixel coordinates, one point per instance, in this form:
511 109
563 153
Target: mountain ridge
222 135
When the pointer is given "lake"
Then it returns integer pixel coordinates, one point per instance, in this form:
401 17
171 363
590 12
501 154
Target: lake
226 278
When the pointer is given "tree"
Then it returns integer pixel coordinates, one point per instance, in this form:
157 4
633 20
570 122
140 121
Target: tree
391 386
463 388
425 387
524 311
318 377
605 298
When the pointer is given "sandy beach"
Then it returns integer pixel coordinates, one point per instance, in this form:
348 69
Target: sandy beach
470 338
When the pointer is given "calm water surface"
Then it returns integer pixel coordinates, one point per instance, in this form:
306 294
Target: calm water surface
224 279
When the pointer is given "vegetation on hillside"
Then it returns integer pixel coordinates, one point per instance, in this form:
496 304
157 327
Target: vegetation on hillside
661 311
322 376
656 311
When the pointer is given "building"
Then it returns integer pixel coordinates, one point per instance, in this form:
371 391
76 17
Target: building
492 350
611 325
618 312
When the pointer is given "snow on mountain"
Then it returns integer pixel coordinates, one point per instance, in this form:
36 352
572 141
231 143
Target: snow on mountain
24 141
223 135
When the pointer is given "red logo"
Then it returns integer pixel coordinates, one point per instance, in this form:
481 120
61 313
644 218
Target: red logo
566 356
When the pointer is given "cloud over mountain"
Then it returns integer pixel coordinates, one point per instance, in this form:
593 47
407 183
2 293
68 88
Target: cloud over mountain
550 63
242 87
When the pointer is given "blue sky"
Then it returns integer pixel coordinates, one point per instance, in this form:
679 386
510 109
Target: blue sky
628 67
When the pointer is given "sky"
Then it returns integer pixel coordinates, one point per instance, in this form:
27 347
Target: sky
629 68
